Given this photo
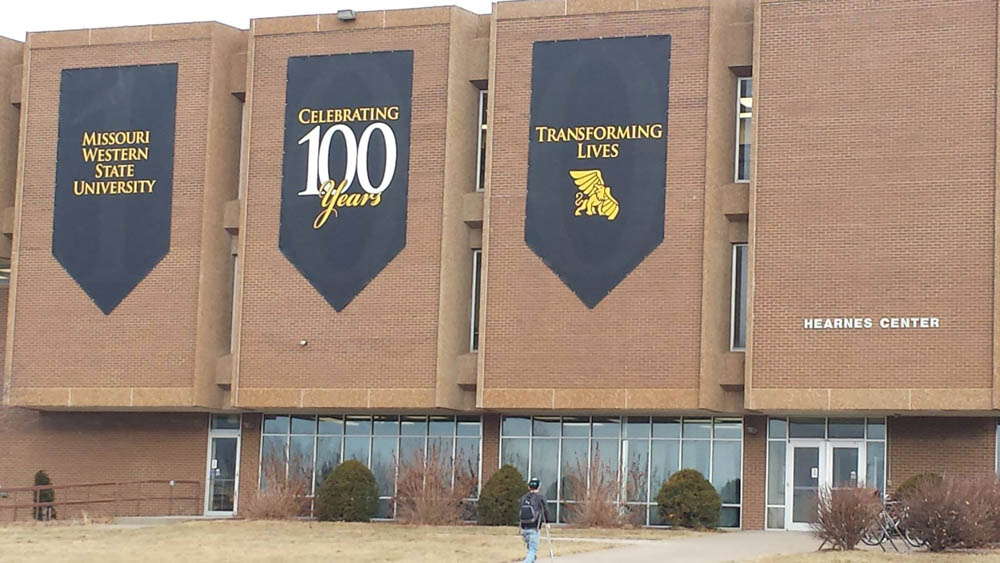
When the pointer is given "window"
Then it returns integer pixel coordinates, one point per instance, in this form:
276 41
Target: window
4 272
477 270
314 445
641 451
744 117
738 320
481 163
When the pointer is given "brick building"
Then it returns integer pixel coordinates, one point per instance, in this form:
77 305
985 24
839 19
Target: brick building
650 235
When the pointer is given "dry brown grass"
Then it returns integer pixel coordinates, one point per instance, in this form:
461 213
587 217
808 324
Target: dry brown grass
255 541
879 557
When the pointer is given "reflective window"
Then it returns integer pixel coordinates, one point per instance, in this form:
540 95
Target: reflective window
310 447
481 162
744 118
639 453
477 277
738 321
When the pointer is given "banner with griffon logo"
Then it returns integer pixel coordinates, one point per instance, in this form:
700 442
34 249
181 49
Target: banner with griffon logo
597 158
114 176
346 165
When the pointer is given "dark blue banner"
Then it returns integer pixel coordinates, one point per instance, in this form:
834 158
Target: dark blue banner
597 158
346 166
114 176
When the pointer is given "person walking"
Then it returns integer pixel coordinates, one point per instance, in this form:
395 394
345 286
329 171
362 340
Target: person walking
533 513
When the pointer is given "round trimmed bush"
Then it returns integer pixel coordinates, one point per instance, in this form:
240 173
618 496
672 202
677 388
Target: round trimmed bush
687 499
348 493
498 503
918 482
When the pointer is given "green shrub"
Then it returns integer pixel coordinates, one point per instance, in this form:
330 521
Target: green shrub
498 503
44 495
920 481
349 493
687 499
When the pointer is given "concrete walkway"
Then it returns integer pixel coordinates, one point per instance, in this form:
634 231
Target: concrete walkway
705 548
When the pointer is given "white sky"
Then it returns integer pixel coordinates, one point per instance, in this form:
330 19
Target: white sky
18 17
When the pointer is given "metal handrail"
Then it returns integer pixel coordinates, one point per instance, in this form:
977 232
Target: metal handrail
105 499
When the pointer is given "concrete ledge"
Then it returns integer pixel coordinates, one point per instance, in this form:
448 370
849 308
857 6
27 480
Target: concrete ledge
472 209
735 199
231 215
732 377
7 220
363 20
14 75
224 370
238 73
93 398
467 365
118 35
476 238
866 399
590 398
285 398
526 9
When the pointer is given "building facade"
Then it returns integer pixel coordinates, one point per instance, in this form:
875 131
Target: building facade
639 236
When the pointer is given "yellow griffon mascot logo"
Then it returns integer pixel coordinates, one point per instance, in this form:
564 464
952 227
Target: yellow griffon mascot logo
594 196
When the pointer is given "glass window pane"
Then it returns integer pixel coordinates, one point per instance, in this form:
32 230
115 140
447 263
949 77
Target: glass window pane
876 429
728 428
729 517
358 425
576 427
806 428
356 447
875 467
331 425
695 455
413 426
300 458
327 456
606 453
636 469
776 518
545 465
442 426
386 425
637 427
467 461
847 428
697 428
607 427
739 297
665 460
275 424
303 424
777 428
574 468
412 448
384 465
654 516
776 472
516 426
726 464
272 454
666 427
226 421
545 426
469 426
385 508
514 451
442 448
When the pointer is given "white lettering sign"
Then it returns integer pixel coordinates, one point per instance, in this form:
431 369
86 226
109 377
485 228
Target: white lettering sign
861 323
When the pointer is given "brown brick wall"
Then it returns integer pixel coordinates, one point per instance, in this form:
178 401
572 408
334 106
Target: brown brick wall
537 333
491 445
874 195
84 447
959 447
386 338
149 341
754 472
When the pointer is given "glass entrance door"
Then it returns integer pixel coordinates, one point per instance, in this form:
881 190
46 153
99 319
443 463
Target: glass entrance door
803 482
223 465
814 467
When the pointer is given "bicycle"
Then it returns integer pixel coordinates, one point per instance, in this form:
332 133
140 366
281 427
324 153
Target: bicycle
889 526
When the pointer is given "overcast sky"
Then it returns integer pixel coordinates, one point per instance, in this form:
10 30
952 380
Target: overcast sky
18 17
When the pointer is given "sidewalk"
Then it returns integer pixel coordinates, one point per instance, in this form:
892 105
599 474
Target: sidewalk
707 548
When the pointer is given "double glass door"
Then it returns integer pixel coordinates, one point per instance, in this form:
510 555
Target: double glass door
815 466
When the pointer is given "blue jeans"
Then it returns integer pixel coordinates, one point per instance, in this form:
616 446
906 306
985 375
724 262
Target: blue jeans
531 537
